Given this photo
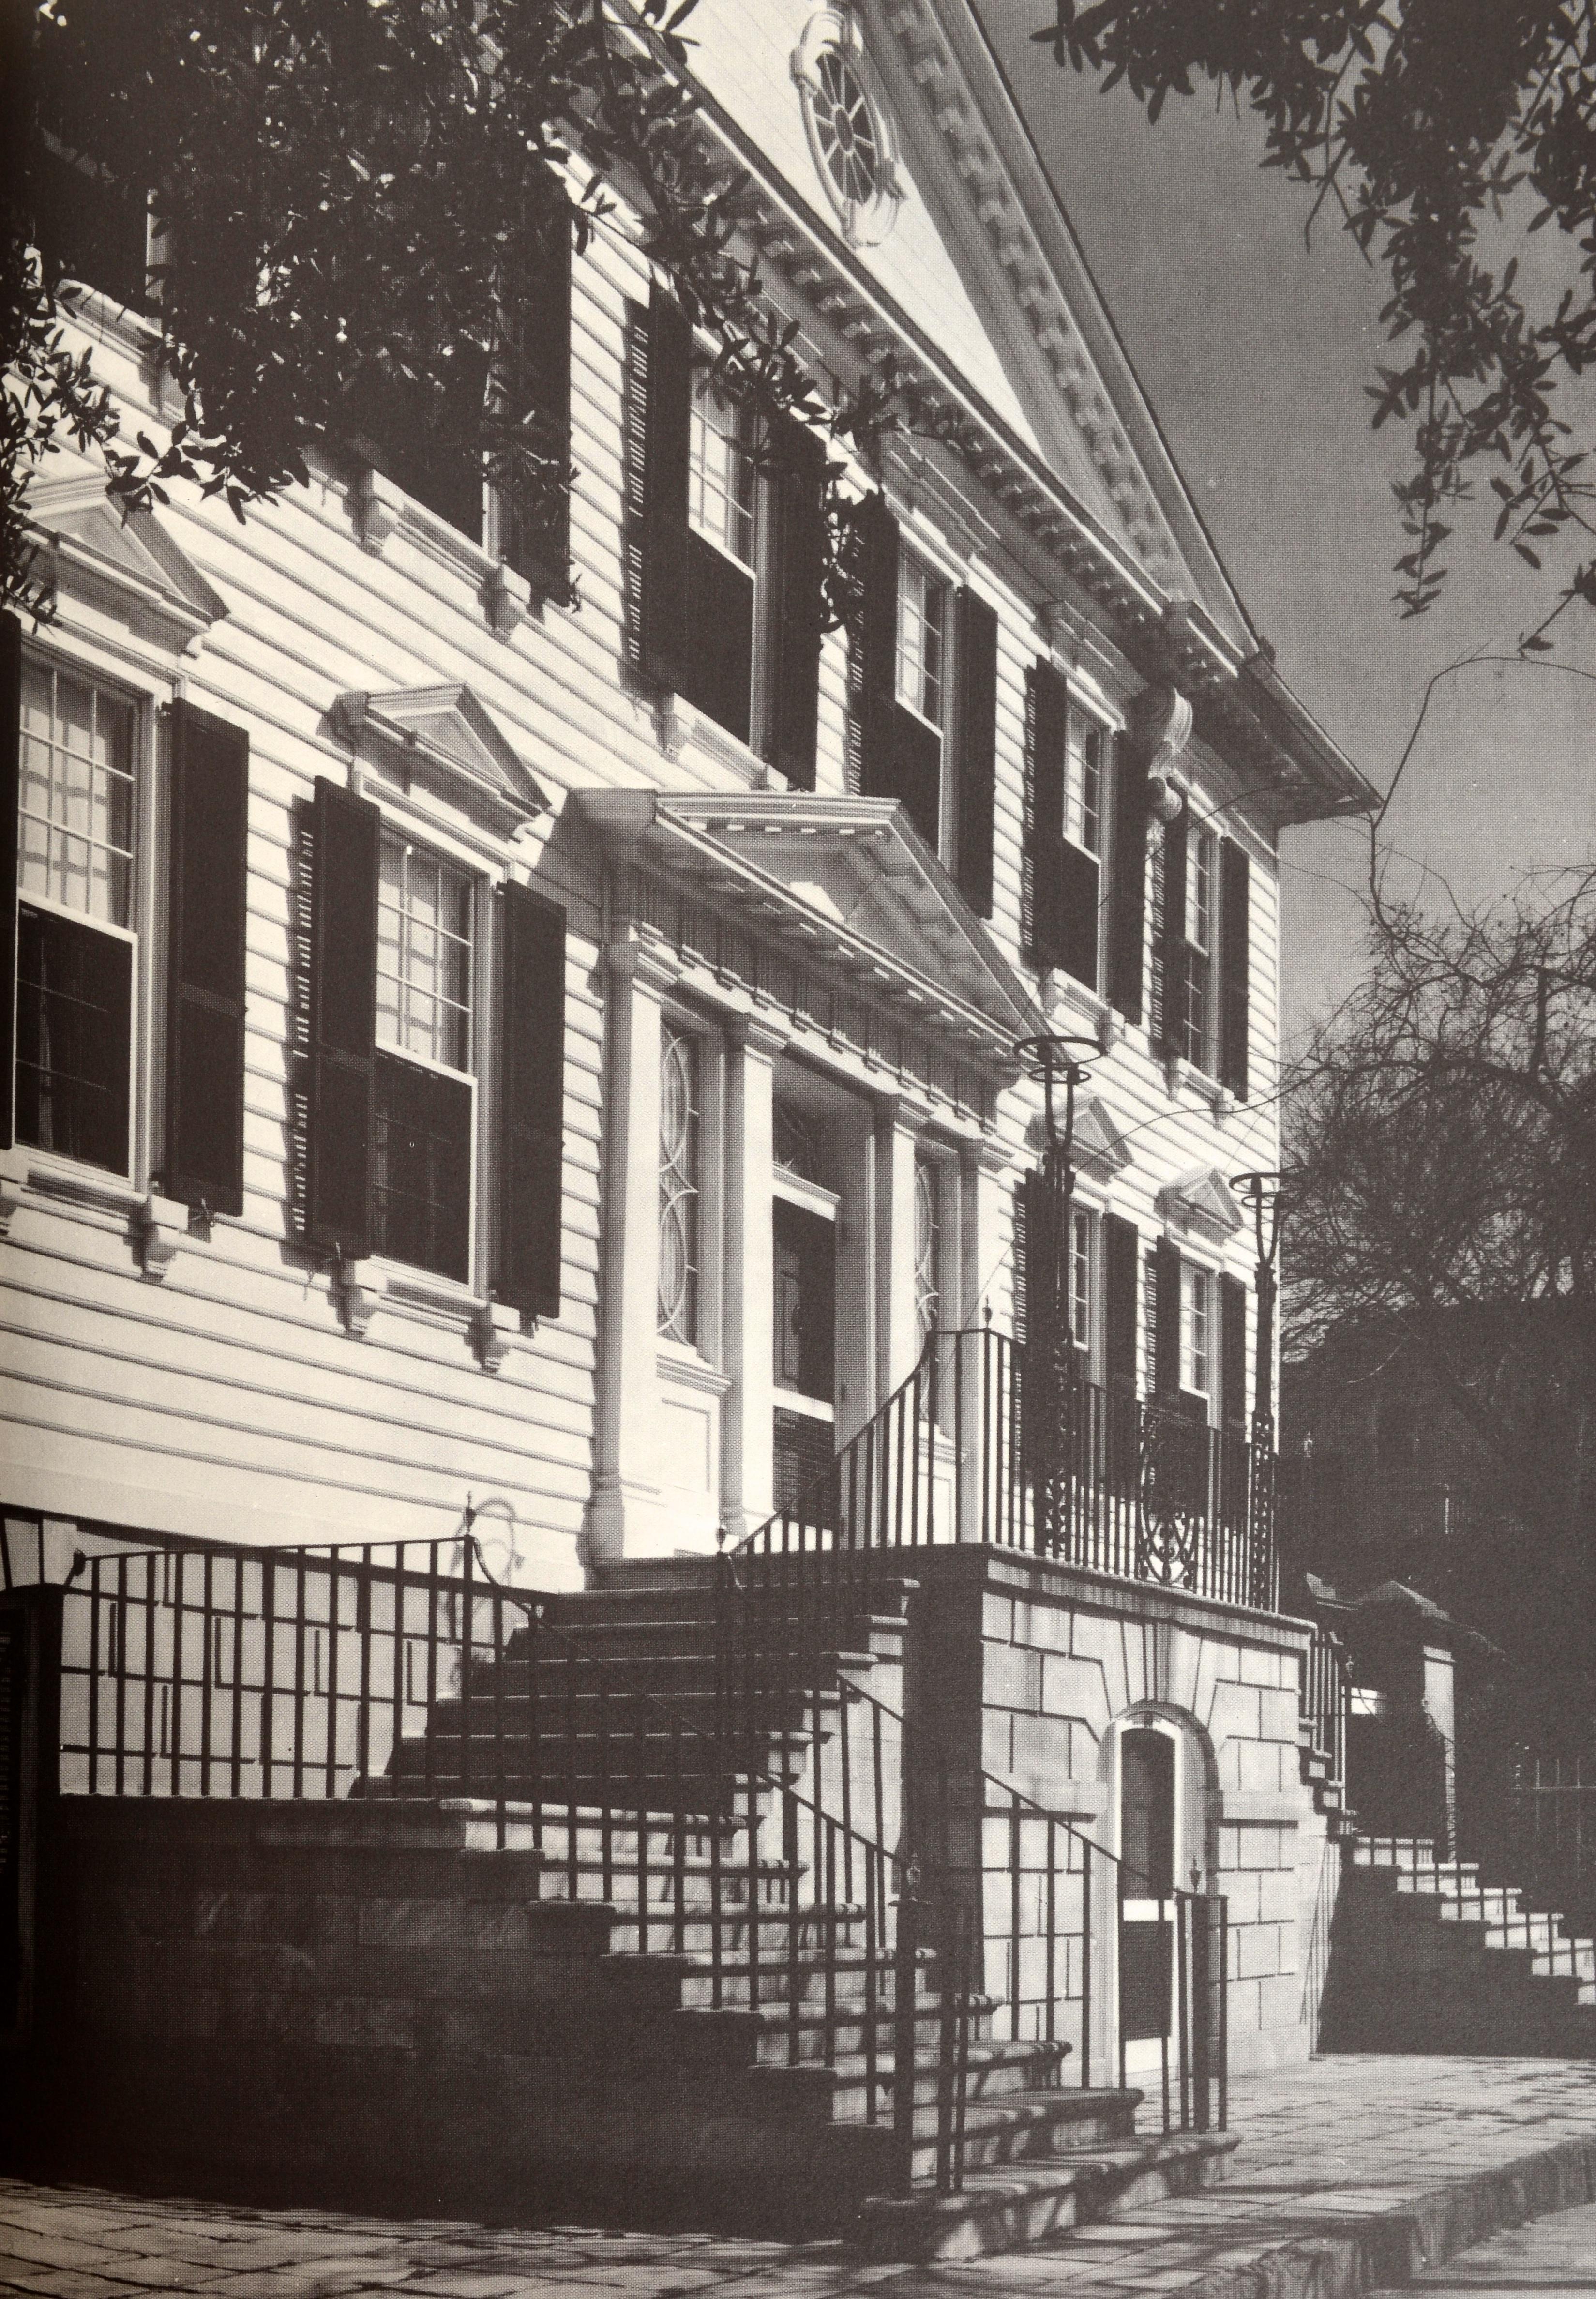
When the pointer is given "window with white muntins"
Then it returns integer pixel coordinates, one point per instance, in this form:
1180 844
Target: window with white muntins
424 1084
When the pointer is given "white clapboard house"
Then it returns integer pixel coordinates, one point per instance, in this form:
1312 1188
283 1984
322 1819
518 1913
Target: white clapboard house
536 1030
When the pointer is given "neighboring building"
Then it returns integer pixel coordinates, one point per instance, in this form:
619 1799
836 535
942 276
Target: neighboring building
474 1045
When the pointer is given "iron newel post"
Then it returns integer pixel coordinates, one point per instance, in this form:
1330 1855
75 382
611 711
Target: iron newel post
1264 1193
1059 1064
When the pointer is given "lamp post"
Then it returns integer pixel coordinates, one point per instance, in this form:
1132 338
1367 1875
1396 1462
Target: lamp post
1057 1063
1264 1193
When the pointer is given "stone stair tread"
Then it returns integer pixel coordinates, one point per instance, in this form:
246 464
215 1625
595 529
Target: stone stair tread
1027 2202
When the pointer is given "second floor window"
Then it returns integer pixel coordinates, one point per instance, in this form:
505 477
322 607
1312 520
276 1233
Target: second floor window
680 1183
1084 764
921 638
1197 1022
425 1088
75 918
723 481
1080 1281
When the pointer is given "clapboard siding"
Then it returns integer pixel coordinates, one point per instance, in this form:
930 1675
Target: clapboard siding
229 1398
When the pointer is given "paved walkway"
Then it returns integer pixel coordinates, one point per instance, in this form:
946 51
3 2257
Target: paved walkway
1322 2148
1552 2254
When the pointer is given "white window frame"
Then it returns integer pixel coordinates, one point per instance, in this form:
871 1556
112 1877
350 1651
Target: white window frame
1085 1283
146 929
479 1042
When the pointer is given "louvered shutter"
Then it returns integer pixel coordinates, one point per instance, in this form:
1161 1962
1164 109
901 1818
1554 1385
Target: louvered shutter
1166 998
1036 1273
1164 1311
10 746
1121 1259
873 658
530 1178
1020 1259
537 539
977 658
1236 960
205 1005
1127 896
795 623
343 1037
662 604
1046 739
1233 1351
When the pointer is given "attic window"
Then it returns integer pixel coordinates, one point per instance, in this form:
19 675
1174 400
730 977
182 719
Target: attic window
849 137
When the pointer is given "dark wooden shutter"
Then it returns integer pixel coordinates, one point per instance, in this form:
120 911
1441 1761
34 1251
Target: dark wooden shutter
663 605
1127 884
1166 993
796 612
342 1021
1019 1258
11 747
976 654
873 662
1046 739
1077 920
537 539
1164 1308
1121 1259
204 1002
530 1181
1233 1351
1236 960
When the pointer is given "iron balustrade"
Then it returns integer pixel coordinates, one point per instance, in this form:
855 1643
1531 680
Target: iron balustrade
1325 1696
1021 1901
976 1446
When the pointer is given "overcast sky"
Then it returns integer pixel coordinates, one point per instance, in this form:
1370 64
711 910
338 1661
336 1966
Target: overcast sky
1255 351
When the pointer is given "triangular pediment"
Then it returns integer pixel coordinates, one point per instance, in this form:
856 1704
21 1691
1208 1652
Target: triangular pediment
131 568
447 740
1098 1147
978 256
848 879
1203 1203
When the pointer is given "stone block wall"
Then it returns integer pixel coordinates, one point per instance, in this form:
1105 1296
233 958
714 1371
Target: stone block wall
1035 1666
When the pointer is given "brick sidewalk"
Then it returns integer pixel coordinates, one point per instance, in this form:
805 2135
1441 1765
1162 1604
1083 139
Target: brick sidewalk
1323 2149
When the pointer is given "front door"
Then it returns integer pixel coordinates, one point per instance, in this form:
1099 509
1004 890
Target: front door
1147 1902
804 1349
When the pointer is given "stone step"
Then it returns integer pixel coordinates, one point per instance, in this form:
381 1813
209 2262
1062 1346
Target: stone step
998 2070
1028 2202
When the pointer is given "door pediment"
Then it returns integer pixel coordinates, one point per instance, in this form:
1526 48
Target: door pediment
848 878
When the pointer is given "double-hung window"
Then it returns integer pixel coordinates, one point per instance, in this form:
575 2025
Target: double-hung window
1197 1331
1197 1019
921 638
423 1083
1080 1281
75 925
1067 756
726 604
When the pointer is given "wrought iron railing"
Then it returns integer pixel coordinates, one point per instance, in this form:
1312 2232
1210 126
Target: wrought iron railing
1325 1695
1032 1899
977 1446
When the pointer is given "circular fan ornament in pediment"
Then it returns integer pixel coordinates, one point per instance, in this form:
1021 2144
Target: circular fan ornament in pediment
850 134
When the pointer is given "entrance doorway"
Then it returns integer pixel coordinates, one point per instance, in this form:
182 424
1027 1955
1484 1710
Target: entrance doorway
1147 1913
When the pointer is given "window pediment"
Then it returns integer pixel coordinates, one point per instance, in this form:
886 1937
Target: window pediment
1099 1147
129 568
445 740
1202 1203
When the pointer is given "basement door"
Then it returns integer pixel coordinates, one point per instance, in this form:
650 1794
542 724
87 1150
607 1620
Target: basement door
1146 2006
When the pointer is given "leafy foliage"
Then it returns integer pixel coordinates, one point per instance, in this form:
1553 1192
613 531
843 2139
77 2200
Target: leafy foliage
1441 1254
345 194
1433 128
